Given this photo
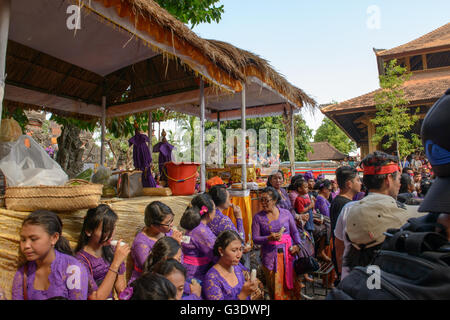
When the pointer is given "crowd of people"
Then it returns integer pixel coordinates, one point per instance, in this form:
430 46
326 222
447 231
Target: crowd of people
343 222
312 217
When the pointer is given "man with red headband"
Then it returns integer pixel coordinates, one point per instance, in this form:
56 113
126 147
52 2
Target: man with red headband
382 179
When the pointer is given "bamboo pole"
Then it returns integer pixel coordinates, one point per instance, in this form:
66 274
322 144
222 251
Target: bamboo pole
5 14
244 149
102 149
219 141
292 153
202 138
150 131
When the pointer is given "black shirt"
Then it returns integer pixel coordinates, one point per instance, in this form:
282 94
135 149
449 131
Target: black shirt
336 206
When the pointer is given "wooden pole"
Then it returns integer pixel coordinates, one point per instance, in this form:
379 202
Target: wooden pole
292 143
219 141
202 138
244 149
102 149
5 14
150 130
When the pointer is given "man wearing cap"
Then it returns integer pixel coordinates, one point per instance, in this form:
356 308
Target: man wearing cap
382 178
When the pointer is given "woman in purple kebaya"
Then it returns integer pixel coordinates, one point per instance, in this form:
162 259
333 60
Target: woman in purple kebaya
199 240
275 181
221 222
167 248
104 262
274 229
322 228
51 270
158 223
226 280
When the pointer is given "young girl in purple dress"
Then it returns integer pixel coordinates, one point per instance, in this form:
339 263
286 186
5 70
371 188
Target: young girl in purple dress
322 228
104 262
158 223
51 270
175 272
152 286
164 249
221 222
226 280
199 240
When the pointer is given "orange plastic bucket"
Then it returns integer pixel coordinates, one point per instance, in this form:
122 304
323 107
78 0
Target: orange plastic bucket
181 177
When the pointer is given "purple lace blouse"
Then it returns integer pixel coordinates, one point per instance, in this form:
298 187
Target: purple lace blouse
322 206
261 229
201 245
140 249
99 268
68 278
221 223
215 287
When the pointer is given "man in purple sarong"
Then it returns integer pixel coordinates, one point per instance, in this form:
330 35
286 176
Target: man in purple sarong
142 158
165 155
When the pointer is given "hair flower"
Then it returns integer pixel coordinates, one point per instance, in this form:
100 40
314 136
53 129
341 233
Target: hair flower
203 210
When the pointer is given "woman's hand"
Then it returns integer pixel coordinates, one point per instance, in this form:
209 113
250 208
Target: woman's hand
274 236
294 250
237 211
177 235
248 288
305 217
247 248
196 288
121 253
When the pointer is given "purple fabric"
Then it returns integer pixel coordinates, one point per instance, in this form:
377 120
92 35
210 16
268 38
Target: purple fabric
322 206
142 159
308 175
165 155
216 287
187 295
140 249
221 223
201 244
68 278
99 267
359 196
292 196
285 202
335 194
261 229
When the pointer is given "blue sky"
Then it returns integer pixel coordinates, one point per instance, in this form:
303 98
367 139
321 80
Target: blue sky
324 47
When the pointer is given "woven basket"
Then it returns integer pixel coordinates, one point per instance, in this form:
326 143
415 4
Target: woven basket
54 198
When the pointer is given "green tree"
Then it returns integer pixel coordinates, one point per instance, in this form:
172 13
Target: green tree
193 11
329 131
303 134
394 119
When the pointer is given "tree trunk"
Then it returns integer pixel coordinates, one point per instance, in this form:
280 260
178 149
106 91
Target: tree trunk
70 151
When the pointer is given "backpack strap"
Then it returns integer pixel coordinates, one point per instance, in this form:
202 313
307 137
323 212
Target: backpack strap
418 242
88 262
25 282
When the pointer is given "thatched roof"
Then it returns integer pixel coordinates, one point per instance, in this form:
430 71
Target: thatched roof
148 16
251 64
129 50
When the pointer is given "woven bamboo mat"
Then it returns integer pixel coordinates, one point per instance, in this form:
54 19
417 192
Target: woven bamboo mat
131 219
